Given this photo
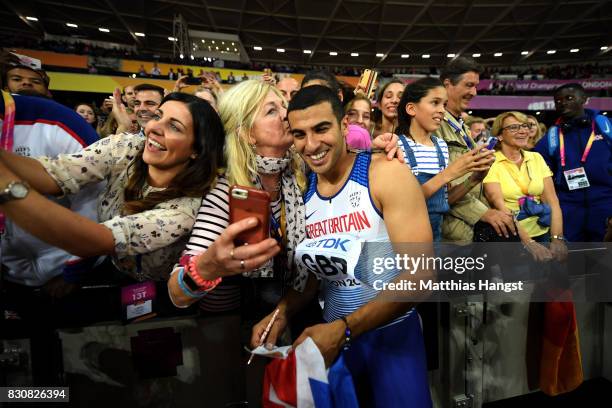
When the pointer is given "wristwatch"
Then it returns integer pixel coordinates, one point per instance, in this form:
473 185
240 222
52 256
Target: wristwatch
16 190
559 237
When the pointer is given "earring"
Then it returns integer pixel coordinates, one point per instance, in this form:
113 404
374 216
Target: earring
193 156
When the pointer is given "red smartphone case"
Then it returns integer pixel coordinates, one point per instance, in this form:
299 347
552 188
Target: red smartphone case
250 202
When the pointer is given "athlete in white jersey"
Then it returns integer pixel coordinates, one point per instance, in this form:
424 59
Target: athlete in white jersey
354 198
337 226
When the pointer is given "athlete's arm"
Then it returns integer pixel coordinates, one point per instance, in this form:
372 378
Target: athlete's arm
398 195
31 171
291 303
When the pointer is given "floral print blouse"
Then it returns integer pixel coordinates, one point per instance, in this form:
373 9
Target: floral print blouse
147 244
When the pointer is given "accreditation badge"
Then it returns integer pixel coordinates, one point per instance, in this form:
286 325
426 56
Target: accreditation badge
576 178
138 301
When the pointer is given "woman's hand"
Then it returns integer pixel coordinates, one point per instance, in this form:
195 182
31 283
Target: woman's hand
269 79
388 142
558 250
209 81
477 160
223 258
328 337
539 252
180 83
278 327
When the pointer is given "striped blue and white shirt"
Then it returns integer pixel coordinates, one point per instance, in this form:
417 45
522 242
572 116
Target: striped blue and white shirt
426 156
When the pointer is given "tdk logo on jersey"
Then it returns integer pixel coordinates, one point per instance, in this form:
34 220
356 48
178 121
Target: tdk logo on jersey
330 243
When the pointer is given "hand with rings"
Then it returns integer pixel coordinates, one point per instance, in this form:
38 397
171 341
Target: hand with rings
242 264
223 258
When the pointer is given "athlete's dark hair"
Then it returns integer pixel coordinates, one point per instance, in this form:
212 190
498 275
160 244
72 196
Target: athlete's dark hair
574 86
314 95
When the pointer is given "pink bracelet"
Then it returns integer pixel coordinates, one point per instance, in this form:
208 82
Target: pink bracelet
191 266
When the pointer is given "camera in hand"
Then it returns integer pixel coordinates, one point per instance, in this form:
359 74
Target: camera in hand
193 81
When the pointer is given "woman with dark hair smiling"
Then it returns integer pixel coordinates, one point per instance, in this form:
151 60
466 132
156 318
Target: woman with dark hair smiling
153 191
388 100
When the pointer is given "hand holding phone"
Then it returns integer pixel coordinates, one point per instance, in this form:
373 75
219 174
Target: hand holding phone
492 143
367 82
193 80
250 202
475 160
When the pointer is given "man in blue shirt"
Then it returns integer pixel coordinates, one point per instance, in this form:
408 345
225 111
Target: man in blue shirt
578 153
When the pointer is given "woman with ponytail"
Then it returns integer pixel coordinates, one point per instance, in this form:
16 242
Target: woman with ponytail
420 113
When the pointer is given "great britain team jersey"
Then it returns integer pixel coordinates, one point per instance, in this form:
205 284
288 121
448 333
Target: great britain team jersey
337 226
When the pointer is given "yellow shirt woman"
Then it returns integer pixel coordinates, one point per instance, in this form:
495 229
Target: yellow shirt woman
517 182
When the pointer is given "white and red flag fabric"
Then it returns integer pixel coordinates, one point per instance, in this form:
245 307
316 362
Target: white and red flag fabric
301 381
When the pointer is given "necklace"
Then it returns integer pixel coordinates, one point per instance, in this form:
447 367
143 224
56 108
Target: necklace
517 161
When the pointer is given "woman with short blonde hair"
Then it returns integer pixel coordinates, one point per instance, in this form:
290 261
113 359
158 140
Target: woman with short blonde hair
238 110
520 182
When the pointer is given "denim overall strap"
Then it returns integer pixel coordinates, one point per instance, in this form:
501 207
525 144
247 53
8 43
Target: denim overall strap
441 160
409 154
437 204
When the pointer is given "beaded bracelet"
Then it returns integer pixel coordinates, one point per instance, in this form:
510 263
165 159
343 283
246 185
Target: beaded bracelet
185 289
203 284
347 334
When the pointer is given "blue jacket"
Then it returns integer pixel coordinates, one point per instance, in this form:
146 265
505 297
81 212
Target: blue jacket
598 164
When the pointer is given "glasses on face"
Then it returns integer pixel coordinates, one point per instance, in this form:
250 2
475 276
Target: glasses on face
516 127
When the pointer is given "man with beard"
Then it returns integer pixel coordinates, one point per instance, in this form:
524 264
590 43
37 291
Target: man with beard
575 149
461 77
381 340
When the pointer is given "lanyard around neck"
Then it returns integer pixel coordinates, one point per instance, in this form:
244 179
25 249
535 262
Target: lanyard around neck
8 125
587 149
7 137
458 128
